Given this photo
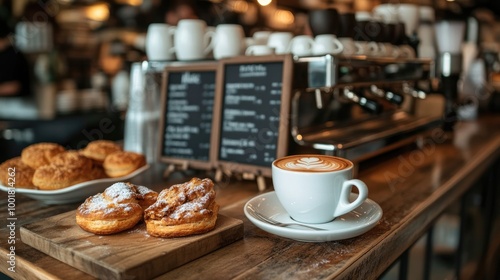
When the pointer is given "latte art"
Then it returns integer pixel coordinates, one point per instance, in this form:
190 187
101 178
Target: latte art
312 163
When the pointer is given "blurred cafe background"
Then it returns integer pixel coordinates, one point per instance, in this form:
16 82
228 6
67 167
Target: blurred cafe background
68 68
73 58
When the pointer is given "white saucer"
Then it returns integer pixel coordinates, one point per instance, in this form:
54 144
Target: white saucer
352 224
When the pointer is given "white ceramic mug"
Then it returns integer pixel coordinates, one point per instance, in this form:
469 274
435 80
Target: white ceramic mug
301 45
327 44
192 40
261 37
280 41
409 14
387 12
349 46
406 51
368 48
259 50
316 188
160 41
388 50
229 40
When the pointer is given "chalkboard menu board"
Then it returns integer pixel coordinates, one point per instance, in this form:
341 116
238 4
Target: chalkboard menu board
186 124
251 113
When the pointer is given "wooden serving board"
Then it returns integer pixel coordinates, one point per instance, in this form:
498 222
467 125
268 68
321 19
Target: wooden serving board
132 254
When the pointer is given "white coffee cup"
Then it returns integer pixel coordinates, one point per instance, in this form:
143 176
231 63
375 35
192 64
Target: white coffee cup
301 45
261 37
259 50
327 44
368 48
229 40
406 51
349 46
409 14
280 41
160 41
388 50
192 40
387 12
316 188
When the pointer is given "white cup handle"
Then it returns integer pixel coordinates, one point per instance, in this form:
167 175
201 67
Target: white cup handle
208 41
396 51
310 42
344 206
373 48
171 34
338 46
359 48
406 51
383 49
249 50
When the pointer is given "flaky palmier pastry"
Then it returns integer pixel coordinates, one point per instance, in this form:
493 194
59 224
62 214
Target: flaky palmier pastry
118 208
40 154
98 150
65 169
15 173
183 209
123 163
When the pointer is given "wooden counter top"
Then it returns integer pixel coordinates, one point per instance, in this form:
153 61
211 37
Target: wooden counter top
413 186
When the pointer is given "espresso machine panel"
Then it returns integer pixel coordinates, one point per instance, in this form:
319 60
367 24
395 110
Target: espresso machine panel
357 107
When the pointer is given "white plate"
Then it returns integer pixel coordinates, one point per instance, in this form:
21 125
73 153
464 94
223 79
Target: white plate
75 193
352 224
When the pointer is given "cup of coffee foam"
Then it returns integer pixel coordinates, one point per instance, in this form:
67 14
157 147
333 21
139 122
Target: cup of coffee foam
316 188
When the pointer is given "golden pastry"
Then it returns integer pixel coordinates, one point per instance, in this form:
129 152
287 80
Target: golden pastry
40 154
98 150
73 159
65 169
183 209
14 173
118 208
122 163
97 172
53 177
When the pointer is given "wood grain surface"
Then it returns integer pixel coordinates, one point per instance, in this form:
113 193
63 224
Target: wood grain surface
132 254
412 185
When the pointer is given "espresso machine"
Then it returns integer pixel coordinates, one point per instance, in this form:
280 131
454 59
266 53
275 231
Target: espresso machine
357 107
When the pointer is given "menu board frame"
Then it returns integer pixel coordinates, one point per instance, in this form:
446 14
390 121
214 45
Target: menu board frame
185 162
283 130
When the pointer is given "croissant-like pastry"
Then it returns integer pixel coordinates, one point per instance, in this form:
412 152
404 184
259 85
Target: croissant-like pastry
65 169
14 172
40 154
98 150
183 209
123 163
118 208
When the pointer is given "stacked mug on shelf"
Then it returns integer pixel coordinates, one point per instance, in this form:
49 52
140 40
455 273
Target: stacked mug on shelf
388 31
384 31
193 40
381 33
